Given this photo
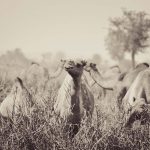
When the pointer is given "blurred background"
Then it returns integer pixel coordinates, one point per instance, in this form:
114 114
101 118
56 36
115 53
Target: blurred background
102 31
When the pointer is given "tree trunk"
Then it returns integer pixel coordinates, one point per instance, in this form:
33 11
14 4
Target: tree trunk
133 58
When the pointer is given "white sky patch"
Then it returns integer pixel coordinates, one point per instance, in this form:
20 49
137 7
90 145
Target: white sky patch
78 28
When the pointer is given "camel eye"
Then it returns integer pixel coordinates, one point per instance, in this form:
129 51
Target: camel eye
78 65
134 99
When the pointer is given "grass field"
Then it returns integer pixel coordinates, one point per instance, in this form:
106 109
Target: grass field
42 131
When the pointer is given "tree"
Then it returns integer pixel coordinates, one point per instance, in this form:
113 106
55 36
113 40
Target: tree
129 33
115 40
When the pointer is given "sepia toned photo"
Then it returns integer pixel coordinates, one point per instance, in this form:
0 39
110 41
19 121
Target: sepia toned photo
74 75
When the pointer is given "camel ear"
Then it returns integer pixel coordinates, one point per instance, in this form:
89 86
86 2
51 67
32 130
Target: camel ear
93 65
19 81
84 63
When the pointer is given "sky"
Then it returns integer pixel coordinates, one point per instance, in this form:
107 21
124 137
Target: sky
76 27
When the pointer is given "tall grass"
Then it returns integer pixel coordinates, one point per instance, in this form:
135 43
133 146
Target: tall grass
42 130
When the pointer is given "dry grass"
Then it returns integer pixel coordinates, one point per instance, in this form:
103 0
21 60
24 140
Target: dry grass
41 131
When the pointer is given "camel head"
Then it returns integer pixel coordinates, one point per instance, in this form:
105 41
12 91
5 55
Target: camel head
131 104
91 66
63 62
137 112
75 68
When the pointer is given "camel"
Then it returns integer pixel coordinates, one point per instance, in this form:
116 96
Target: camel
126 79
28 89
74 100
37 76
37 79
137 97
119 82
18 101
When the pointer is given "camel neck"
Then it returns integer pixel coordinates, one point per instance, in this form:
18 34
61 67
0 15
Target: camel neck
105 83
75 99
77 82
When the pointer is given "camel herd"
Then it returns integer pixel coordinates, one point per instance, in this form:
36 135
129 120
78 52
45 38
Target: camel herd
75 100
